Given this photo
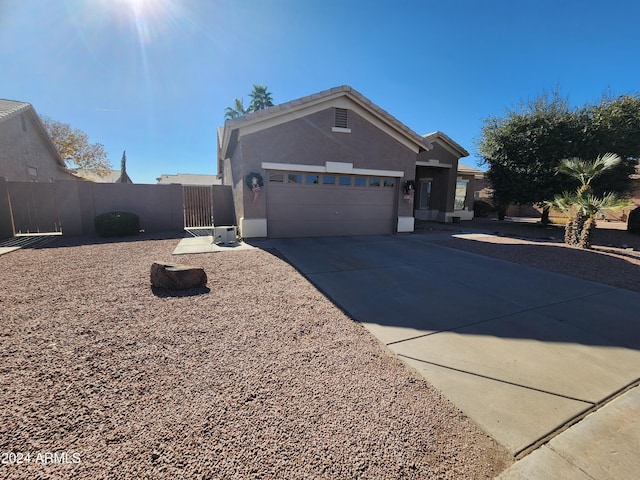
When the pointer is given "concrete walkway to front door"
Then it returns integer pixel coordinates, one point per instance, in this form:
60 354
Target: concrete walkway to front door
523 352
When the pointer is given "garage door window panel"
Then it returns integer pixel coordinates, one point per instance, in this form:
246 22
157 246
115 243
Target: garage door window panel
328 180
295 178
276 177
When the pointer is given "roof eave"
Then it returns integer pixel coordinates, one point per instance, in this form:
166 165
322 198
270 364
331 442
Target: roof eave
459 149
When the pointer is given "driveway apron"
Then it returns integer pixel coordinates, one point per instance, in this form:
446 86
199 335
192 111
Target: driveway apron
521 351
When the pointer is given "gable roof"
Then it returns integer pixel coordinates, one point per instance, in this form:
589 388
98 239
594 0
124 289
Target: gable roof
10 108
111 176
447 142
262 119
469 170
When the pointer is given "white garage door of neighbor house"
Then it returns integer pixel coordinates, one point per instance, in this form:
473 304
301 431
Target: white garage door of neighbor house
310 205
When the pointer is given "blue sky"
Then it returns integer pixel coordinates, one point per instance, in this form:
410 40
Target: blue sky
154 76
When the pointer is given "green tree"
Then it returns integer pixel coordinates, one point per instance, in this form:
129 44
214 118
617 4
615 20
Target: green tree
524 147
236 111
611 125
583 205
75 149
261 98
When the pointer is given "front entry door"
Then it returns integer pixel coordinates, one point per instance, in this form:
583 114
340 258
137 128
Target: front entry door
424 200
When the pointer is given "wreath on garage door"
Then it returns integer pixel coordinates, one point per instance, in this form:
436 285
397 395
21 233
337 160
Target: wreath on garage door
255 183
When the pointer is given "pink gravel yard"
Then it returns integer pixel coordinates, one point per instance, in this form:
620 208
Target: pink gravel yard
261 377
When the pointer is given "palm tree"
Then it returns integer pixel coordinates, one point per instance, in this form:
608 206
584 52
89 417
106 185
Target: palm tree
582 206
237 110
260 98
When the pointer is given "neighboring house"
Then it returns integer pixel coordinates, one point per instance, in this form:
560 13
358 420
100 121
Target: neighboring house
483 190
475 183
27 153
111 176
334 163
189 179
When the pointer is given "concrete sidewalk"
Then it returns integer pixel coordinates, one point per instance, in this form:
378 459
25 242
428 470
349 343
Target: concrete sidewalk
604 445
521 351
205 244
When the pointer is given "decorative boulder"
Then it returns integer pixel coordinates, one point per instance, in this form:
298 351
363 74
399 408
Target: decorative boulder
177 277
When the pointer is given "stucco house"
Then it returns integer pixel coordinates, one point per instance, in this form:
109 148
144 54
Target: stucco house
27 153
334 163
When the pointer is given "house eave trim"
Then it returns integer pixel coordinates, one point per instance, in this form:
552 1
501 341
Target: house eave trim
433 163
332 167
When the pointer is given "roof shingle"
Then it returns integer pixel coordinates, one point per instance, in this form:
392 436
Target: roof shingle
8 108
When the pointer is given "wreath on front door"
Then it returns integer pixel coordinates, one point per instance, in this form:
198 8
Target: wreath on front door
255 183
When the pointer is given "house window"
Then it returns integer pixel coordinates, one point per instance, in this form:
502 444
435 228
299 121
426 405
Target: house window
295 178
328 180
374 182
360 181
276 177
388 182
313 179
33 172
345 181
461 194
425 194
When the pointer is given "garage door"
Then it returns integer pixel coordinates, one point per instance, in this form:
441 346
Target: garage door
310 205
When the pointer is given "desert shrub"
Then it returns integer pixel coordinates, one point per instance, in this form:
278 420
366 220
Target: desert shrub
633 224
481 208
117 224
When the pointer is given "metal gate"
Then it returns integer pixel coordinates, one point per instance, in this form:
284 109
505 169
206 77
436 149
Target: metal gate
198 207
33 208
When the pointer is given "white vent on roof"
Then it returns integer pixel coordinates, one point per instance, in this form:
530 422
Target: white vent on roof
341 121
341 118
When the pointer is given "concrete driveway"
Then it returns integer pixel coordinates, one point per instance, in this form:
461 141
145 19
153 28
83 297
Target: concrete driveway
521 351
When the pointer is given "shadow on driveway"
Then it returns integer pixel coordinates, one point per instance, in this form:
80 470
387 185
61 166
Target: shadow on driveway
522 351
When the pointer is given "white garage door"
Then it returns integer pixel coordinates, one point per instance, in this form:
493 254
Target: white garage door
310 205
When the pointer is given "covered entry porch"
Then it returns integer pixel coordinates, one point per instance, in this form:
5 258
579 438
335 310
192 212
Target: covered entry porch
434 186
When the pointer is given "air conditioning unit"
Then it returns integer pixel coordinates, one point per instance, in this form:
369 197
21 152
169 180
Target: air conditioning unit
225 235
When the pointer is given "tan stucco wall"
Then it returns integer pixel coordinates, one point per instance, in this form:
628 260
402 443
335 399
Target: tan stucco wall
160 207
22 146
6 227
310 141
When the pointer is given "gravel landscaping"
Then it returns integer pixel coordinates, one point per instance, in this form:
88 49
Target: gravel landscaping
614 259
257 377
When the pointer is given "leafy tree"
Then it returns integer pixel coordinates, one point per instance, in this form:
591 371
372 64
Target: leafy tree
236 111
583 205
524 147
261 98
75 149
612 125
